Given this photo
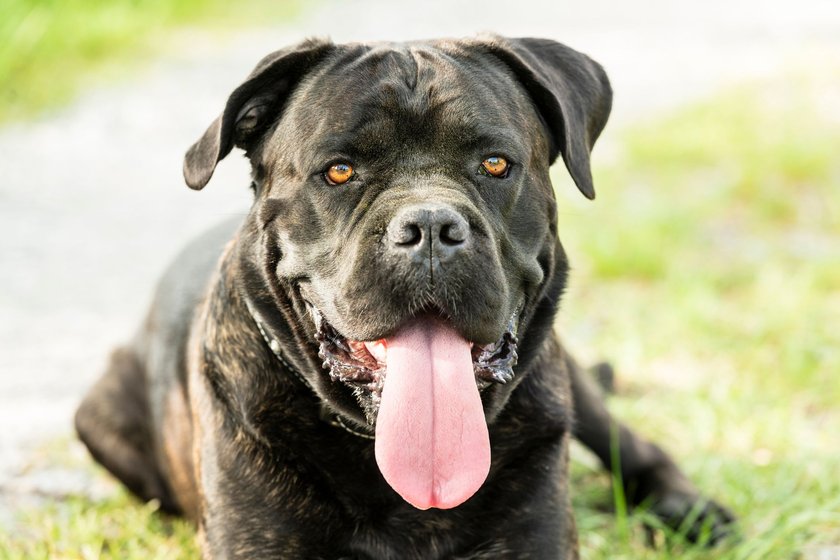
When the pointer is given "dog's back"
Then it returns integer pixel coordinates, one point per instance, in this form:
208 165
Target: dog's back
126 419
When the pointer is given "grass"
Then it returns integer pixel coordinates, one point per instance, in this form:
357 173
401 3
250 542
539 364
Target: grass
708 271
51 49
113 525
117 527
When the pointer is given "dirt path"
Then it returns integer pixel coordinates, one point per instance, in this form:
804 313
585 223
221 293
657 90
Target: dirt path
92 204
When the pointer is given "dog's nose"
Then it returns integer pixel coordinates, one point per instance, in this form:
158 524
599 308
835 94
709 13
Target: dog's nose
428 231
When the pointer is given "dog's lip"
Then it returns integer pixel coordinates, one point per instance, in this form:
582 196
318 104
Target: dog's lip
377 349
319 319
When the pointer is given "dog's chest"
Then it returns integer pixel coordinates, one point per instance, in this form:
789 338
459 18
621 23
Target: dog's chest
413 540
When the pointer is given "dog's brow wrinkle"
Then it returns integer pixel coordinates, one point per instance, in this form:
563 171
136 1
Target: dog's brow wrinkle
415 65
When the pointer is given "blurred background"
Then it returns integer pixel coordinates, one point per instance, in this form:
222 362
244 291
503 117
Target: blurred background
707 270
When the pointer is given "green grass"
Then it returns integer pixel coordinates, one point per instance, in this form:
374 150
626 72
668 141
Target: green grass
708 271
50 49
113 526
117 527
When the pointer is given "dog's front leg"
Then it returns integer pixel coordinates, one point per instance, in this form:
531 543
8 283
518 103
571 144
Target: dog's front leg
647 472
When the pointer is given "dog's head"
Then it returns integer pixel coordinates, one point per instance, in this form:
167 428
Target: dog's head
404 217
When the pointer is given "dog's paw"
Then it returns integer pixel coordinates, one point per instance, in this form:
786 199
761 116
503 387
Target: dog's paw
693 517
665 492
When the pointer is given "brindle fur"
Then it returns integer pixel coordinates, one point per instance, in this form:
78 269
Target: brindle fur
198 413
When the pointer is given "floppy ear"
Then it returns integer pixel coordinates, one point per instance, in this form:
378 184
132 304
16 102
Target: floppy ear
571 92
251 108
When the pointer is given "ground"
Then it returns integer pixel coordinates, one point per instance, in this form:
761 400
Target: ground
707 270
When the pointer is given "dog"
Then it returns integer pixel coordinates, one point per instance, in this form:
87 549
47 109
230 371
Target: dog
366 367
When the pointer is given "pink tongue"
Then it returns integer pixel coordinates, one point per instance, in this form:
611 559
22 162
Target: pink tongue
432 444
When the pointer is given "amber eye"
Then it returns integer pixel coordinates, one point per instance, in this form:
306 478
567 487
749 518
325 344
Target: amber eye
339 173
495 166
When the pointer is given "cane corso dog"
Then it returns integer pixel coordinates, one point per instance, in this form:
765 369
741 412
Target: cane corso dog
366 366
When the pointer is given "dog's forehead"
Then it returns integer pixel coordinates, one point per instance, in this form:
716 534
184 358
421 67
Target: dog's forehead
428 93
411 76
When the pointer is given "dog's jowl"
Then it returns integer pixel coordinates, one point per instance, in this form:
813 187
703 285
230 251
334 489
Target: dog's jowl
365 367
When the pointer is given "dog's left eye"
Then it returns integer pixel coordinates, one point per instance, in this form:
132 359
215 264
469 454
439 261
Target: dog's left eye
495 166
339 173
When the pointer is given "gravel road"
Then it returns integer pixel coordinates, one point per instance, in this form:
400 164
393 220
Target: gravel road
92 204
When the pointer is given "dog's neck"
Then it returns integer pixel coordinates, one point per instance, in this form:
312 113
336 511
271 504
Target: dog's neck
327 415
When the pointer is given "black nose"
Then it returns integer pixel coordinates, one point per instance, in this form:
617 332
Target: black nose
428 232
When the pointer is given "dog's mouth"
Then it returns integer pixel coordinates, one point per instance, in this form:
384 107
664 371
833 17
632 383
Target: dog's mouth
420 387
362 365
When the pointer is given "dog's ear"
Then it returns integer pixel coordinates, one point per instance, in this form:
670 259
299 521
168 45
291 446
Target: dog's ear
252 107
571 92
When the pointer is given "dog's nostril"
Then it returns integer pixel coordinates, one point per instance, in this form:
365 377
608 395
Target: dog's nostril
409 234
453 234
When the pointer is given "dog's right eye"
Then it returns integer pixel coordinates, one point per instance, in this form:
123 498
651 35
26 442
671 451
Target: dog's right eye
495 166
339 173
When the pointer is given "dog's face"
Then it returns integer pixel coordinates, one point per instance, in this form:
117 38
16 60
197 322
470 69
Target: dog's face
438 187
404 210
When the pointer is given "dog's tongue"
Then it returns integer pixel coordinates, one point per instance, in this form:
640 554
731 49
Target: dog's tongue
432 444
